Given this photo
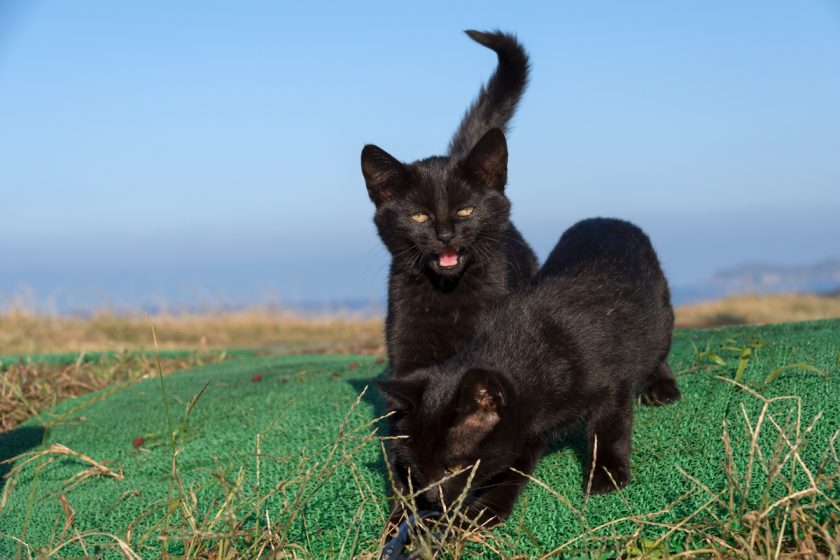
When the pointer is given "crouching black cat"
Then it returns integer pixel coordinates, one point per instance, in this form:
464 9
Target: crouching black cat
592 330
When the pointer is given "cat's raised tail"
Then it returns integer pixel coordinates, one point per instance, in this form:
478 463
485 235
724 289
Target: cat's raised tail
497 100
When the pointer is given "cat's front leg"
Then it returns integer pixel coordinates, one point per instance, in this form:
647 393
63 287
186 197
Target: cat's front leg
609 431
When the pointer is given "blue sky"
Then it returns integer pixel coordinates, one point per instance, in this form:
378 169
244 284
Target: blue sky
208 152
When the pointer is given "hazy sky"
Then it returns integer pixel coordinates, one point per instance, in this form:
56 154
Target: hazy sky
205 151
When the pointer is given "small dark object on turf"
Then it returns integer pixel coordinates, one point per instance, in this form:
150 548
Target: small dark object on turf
335 375
138 442
353 365
393 548
256 377
380 360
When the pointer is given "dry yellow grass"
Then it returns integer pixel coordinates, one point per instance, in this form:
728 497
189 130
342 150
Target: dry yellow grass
758 310
23 332
29 388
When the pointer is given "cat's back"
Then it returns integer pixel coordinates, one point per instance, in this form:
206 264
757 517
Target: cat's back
598 311
604 280
602 247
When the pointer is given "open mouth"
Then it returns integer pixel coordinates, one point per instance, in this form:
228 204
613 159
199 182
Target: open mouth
448 262
448 258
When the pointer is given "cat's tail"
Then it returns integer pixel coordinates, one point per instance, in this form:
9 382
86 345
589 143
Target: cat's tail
496 102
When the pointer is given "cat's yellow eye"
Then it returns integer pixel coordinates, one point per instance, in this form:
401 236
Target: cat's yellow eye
466 211
420 217
453 469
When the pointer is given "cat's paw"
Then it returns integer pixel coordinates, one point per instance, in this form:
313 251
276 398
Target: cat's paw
607 479
661 391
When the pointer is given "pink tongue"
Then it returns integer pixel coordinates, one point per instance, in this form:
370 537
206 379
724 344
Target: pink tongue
448 257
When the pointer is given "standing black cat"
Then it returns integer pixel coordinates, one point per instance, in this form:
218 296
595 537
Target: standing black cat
592 329
445 221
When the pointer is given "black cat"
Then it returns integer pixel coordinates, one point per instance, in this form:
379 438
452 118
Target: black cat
445 221
592 329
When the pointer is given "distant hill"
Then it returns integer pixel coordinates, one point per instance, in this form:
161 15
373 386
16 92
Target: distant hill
762 278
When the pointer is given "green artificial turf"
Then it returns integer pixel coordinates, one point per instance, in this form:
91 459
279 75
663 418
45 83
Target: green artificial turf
296 407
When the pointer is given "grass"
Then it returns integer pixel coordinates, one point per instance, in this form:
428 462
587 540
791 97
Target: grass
785 527
729 524
24 332
29 387
758 310
774 494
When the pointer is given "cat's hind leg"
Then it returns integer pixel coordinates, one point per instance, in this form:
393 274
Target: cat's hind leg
660 387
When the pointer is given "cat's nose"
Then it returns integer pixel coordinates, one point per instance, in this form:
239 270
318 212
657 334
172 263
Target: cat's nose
445 232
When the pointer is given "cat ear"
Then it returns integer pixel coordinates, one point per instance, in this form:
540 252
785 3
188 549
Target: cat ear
403 394
482 398
487 162
383 173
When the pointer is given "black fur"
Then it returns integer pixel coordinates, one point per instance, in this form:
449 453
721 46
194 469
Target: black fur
435 300
592 329
496 102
